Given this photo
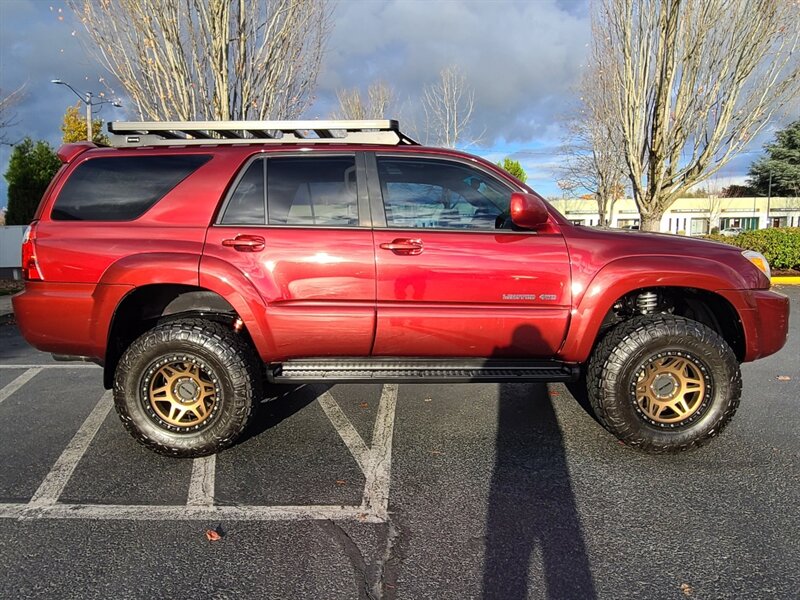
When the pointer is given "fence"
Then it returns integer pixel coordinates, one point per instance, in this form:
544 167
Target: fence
10 242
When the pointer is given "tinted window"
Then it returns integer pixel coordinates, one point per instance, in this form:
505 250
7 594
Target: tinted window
440 194
246 206
312 191
121 189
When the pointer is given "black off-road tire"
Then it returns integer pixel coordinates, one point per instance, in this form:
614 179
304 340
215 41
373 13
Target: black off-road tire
225 355
619 359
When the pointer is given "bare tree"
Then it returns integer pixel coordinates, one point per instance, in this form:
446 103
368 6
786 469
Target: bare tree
7 115
448 106
210 59
380 97
594 159
691 83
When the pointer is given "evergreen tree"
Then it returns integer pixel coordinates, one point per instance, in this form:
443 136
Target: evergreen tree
30 169
782 160
514 168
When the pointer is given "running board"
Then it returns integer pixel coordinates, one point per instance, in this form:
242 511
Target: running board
420 370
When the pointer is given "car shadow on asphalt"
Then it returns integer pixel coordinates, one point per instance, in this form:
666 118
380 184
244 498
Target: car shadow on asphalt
280 402
14 348
534 538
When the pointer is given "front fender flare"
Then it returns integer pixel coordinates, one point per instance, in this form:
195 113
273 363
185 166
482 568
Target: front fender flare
625 275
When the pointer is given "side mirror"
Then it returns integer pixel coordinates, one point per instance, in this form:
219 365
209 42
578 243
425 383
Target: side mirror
528 210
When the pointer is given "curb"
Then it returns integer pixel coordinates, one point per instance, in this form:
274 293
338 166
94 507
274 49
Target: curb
786 281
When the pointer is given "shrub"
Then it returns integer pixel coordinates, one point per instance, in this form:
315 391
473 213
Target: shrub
780 246
30 169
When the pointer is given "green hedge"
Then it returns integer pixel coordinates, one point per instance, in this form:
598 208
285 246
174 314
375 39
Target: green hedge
781 246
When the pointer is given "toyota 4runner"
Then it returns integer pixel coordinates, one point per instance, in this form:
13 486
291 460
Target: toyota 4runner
198 262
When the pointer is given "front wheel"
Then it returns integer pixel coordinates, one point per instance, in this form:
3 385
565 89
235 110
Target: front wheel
662 383
187 388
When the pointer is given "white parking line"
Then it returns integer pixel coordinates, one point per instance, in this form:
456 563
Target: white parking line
201 484
346 431
376 488
375 463
59 475
140 512
17 383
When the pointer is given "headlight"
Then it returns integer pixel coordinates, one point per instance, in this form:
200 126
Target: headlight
759 261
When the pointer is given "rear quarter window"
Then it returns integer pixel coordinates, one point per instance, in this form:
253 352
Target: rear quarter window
121 188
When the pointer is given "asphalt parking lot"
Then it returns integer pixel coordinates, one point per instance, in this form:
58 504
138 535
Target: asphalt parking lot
409 491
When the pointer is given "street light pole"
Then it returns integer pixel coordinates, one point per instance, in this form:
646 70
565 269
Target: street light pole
769 196
89 103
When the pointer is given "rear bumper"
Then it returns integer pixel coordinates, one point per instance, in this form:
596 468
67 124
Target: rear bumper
67 318
765 319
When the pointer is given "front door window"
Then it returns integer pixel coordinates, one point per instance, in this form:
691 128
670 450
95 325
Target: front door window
437 194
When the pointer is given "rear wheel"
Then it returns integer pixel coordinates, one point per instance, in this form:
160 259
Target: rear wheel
664 384
187 388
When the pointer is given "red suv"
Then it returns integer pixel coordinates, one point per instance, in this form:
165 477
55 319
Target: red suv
198 262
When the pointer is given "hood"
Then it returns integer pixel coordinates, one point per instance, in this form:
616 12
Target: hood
591 249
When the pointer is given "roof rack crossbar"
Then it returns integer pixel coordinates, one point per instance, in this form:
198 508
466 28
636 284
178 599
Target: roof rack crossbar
225 133
196 133
129 134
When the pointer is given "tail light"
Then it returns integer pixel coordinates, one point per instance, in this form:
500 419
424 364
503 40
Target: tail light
30 267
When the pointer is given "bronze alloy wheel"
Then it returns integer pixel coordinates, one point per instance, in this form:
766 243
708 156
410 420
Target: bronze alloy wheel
188 387
671 389
180 393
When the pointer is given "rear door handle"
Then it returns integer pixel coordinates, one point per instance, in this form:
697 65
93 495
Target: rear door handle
404 246
245 243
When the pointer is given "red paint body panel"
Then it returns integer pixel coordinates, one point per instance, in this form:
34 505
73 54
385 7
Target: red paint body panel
765 319
337 292
318 298
606 265
67 318
472 294
70 252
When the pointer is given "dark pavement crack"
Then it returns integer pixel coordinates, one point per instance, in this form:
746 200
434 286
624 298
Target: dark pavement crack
388 565
375 581
353 553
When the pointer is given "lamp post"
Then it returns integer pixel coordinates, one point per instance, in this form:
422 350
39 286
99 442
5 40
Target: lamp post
89 102
769 196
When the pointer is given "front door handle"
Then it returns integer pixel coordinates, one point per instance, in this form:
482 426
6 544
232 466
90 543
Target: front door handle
245 243
404 246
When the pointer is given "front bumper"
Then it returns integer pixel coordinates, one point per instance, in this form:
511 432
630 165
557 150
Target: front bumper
765 320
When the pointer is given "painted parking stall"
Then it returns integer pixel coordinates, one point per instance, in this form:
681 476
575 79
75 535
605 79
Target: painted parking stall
373 461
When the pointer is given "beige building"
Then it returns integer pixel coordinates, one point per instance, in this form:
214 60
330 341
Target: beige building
693 216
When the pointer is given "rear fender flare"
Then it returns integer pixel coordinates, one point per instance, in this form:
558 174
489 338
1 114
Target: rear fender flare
229 282
184 269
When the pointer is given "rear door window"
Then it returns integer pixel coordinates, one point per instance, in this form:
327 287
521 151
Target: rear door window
312 190
121 188
246 205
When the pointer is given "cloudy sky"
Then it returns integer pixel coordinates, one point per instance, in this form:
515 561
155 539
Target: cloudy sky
522 58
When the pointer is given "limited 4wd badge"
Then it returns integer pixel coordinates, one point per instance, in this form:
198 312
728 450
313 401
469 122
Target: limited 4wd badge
529 297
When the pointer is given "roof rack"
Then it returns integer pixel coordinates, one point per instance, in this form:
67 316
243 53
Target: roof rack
131 134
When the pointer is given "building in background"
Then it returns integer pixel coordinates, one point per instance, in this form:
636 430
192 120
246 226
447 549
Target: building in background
692 216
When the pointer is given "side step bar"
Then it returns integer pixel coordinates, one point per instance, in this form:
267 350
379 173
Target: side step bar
420 370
